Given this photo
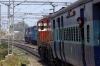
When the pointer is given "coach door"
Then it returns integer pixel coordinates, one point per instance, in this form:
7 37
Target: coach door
96 33
96 20
60 33
62 39
99 21
83 42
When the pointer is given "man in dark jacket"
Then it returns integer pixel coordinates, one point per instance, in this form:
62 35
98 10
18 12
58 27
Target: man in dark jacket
81 26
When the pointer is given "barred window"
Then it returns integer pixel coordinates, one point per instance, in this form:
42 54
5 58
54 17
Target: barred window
64 33
88 32
53 24
76 34
57 34
67 34
72 33
79 35
61 34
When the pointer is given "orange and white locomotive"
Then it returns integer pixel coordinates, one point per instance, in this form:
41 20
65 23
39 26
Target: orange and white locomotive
44 39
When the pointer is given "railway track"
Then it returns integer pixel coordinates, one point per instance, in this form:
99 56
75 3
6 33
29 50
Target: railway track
27 48
32 50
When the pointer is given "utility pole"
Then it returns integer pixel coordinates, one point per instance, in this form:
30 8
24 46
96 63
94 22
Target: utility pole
8 26
13 27
53 6
0 24
23 27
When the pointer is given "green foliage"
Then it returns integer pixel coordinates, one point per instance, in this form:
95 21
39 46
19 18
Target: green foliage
23 60
11 60
3 45
3 50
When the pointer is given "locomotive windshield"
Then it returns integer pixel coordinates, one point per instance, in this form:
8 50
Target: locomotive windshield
41 25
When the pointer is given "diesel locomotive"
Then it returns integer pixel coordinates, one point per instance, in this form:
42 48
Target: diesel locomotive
59 36
31 35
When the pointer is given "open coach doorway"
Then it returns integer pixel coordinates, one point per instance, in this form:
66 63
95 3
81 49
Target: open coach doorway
96 31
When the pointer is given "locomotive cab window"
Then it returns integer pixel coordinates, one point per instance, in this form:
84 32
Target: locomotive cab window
42 25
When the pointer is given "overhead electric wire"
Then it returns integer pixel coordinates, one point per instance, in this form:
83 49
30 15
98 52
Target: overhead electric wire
32 10
43 3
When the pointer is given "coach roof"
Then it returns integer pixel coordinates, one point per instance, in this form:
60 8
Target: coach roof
76 4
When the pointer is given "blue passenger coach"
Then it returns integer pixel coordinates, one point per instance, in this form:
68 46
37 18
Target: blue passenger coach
67 45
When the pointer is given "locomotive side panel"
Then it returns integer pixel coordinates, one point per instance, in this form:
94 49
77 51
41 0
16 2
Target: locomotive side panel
34 35
44 40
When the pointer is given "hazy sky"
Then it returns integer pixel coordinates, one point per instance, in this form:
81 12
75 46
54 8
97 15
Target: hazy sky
31 9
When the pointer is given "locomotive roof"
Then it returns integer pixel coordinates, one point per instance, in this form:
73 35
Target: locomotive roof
76 4
43 19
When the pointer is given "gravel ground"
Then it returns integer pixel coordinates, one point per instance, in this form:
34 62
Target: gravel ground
33 60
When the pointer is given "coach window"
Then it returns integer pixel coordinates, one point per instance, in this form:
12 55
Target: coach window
58 20
67 34
76 33
42 25
53 24
88 32
64 33
79 35
57 33
60 34
71 33
62 21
